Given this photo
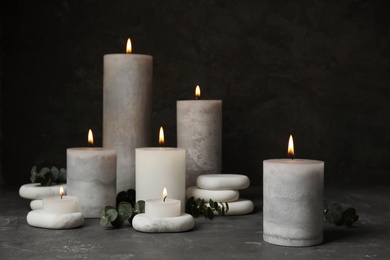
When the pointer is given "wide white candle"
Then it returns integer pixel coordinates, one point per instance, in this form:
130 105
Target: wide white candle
163 208
127 107
293 202
91 177
159 167
199 131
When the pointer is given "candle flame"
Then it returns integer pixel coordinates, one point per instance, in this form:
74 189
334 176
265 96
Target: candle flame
90 137
197 92
128 46
161 136
165 194
62 192
290 150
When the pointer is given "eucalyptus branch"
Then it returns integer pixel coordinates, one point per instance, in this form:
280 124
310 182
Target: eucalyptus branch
197 207
46 176
337 215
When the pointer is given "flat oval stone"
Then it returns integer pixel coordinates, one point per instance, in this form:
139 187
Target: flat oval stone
223 181
42 219
215 195
238 207
150 224
36 204
34 191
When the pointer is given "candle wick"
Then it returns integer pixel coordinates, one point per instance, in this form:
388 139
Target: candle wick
165 198
62 195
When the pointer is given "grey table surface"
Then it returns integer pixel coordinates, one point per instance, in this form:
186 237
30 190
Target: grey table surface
227 237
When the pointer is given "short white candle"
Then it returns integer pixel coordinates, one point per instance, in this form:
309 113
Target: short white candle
163 208
293 202
91 177
60 204
199 131
159 167
127 109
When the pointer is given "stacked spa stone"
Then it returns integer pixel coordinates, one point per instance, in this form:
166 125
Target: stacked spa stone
223 188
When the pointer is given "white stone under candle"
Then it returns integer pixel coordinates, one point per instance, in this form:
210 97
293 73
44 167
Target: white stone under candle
35 191
149 224
127 109
293 202
199 131
91 177
222 181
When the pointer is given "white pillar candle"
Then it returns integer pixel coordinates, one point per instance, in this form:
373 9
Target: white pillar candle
293 205
159 167
91 177
163 209
127 107
199 131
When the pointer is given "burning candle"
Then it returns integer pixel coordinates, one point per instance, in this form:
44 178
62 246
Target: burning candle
293 200
91 177
163 208
158 167
199 131
58 212
61 204
127 108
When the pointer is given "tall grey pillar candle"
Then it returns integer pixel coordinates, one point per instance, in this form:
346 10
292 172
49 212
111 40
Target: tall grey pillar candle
127 107
91 177
199 131
293 202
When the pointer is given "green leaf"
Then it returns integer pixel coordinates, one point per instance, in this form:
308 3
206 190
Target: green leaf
102 213
112 214
140 206
46 179
131 197
62 176
33 177
103 220
54 174
118 222
34 169
125 209
42 172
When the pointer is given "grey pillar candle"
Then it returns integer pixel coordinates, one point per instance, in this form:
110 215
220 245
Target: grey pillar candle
91 177
293 202
199 131
127 106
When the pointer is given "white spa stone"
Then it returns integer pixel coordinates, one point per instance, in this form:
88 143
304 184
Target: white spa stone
215 195
222 181
34 191
36 204
149 224
42 219
238 207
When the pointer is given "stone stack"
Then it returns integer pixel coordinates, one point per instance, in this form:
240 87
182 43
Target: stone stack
223 188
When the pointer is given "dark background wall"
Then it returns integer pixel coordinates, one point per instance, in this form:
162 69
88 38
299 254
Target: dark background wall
316 69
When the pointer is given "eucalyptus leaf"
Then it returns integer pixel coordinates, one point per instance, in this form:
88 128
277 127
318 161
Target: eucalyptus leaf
118 222
140 206
34 169
54 174
112 214
125 209
33 177
103 220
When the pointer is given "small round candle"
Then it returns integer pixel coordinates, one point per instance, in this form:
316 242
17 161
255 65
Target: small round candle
163 208
61 204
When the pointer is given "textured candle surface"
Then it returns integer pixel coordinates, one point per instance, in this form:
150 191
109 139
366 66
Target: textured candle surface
127 108
199 131
91 177
293 202
157 168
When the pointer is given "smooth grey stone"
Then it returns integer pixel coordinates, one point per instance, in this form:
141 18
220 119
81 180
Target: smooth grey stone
150 224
